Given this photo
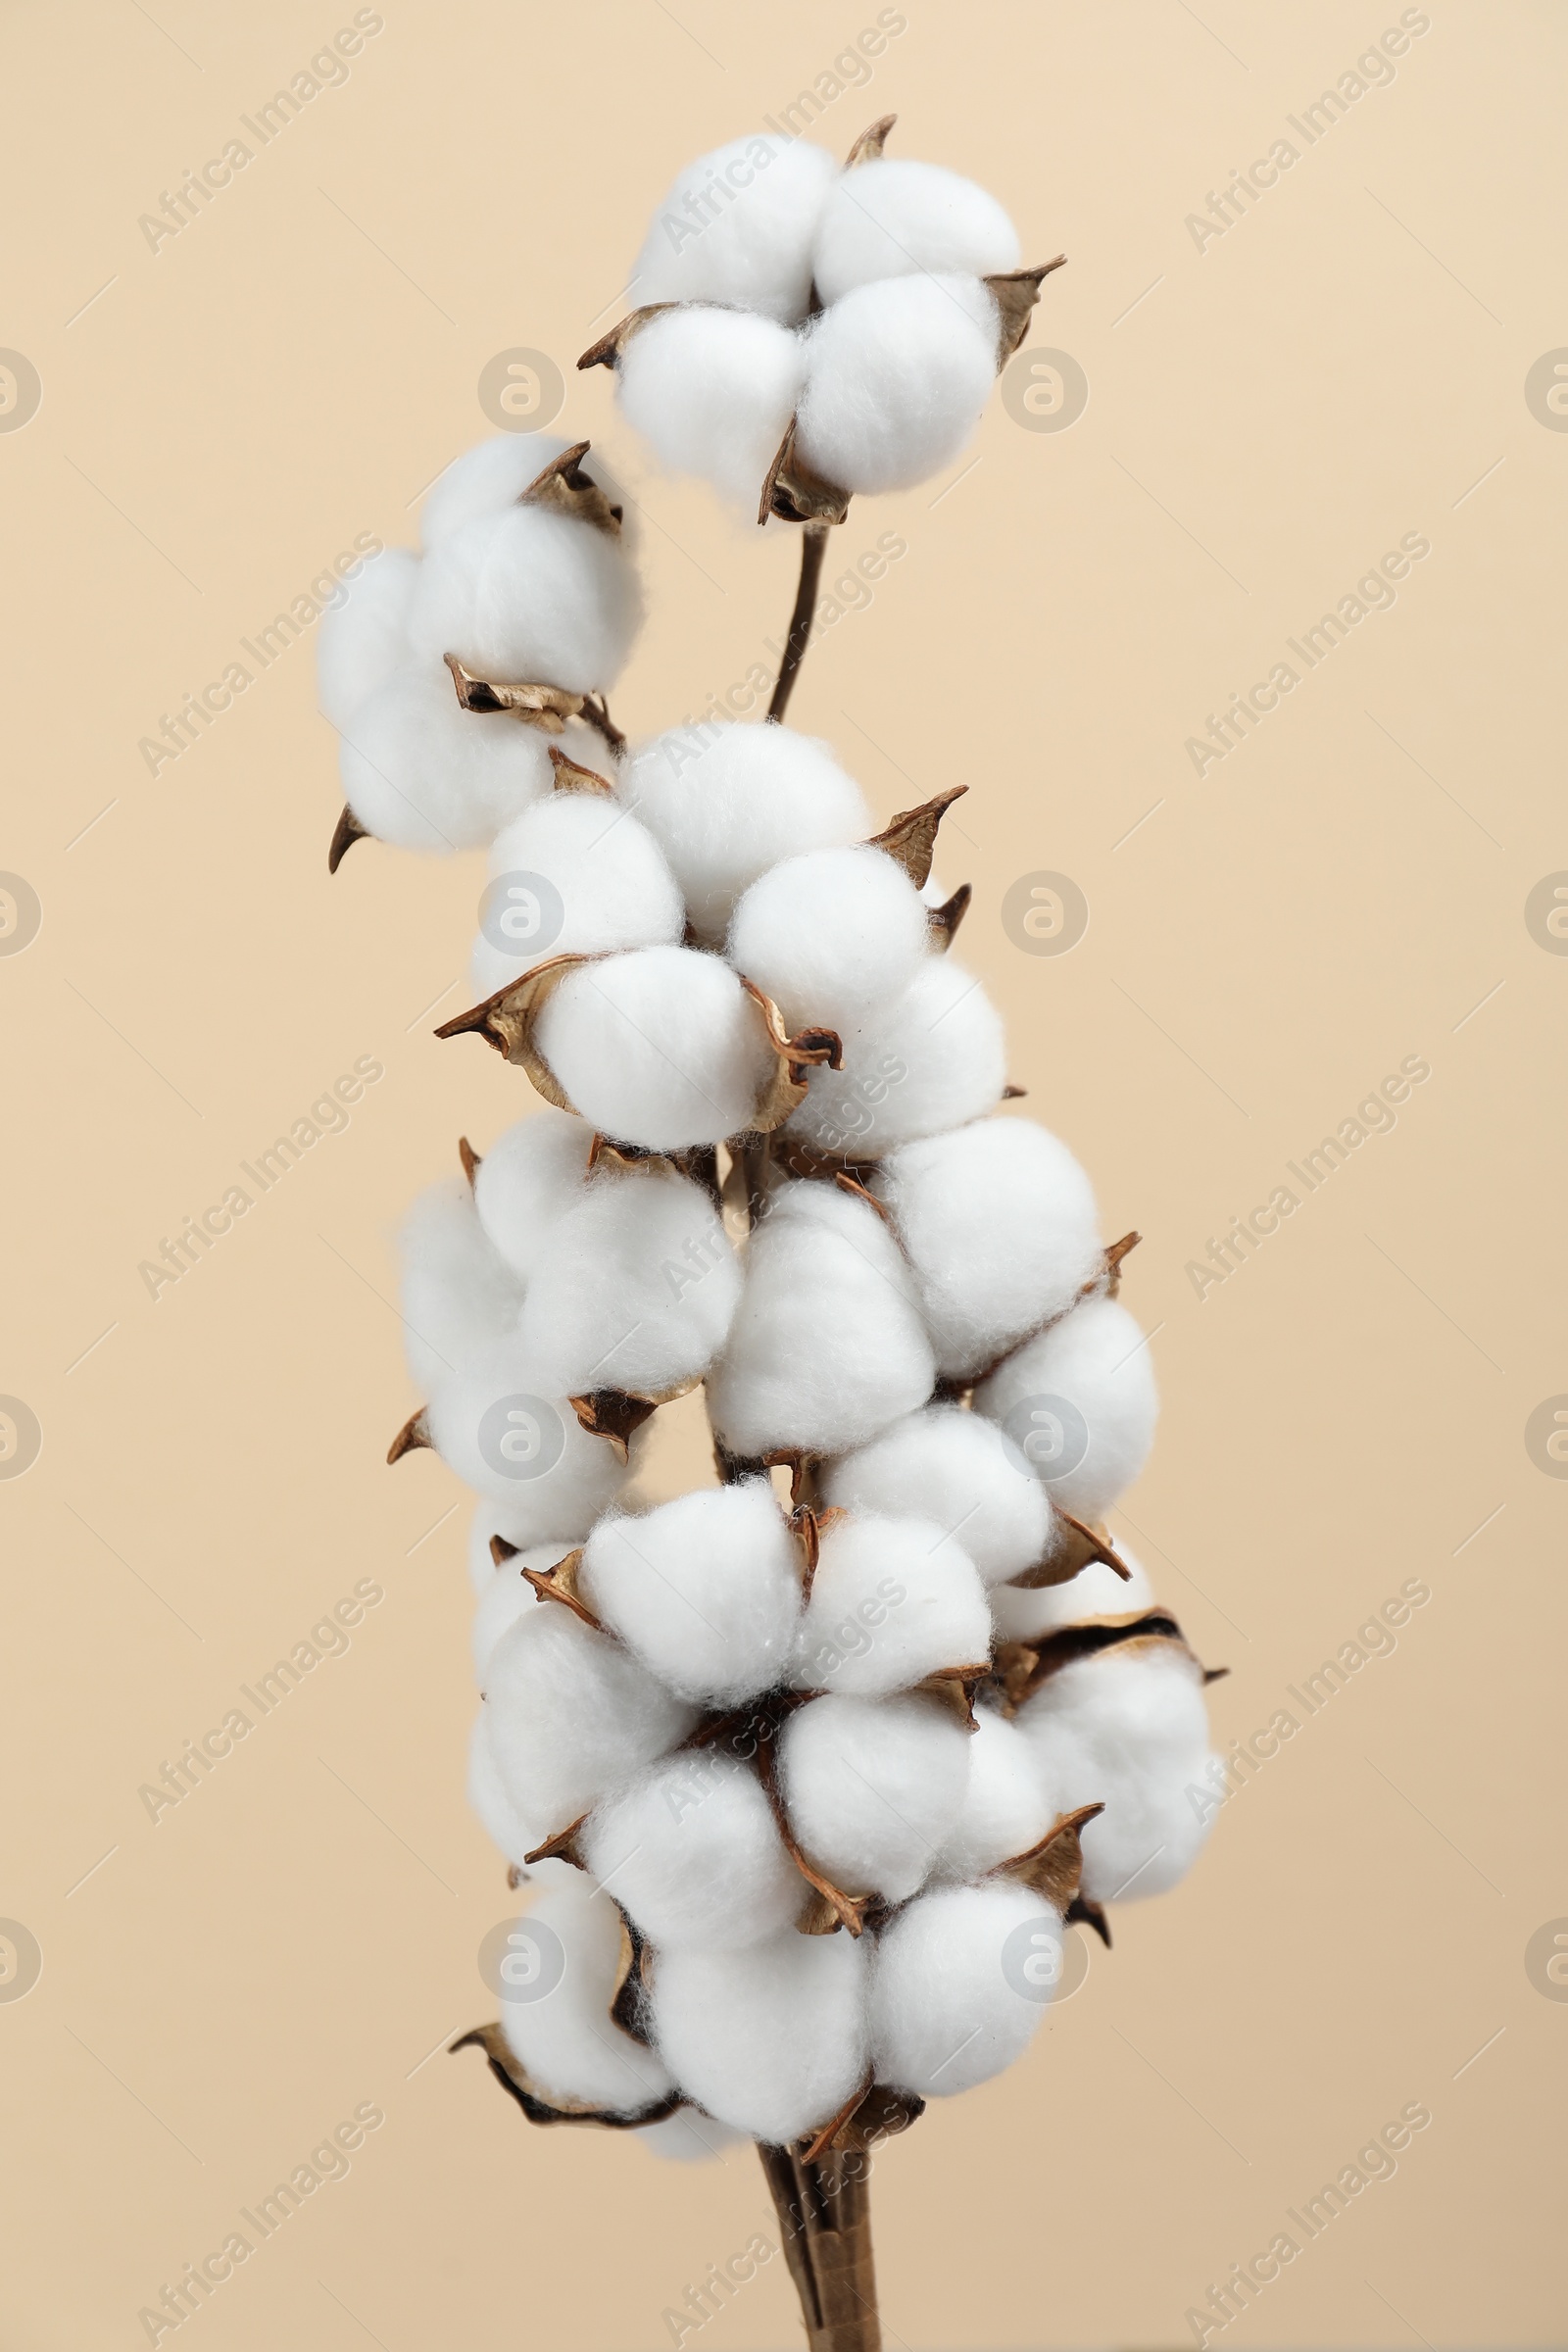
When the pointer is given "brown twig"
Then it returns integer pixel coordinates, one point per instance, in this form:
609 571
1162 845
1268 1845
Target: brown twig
824 2218
813 546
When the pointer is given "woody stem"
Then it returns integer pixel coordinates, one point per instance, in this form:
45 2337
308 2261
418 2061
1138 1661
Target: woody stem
824 2218
813 546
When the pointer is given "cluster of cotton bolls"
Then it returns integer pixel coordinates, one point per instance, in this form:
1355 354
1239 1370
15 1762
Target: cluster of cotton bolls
828 330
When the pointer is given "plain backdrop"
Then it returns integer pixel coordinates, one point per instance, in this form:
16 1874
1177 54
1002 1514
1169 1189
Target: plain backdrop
1270 410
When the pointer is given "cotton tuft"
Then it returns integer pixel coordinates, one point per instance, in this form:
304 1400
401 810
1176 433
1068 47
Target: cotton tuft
932 1058
361 641
661 1047
507 1597
575 875
739 225
1096 1361
527 596
891 1601
712 392
528 1180
571 1715
949 1466
694 1856
458 1296
423 773
492 475
898 377
1004 1810
872 1787
567 2042
830 935
493 1424
705 1590
891 218
950 2007
771 2040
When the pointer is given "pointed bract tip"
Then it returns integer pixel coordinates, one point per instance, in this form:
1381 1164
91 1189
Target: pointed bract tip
347 831
415 1434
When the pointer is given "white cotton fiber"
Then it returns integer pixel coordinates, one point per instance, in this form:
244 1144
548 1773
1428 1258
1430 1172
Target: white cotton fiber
706 1590
998 1222
891 1601
1127 1728
497 1814
945 1464
825 1349
738 226
567 2042
713 393
361 641
636 1289
830 935
1004 1810
529 597
1097 1591
661 1046
931 1060
692 1854
505 1436
457 1294
575 875
687 2137
725 802
573 1715
528 1179
872 1787
507 1597
423 773
898 377
1095 1363
771 2040
951 2005
484 479
890 218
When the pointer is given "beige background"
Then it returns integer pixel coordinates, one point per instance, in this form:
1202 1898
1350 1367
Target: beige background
1345 366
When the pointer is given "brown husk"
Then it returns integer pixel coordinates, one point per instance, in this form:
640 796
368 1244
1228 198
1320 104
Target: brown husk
415 1434
563 488
569 776
795 493
1053 1865
1075 1548
345 833
514 2078
609 348
507 1021
867 148
1016 292
942 921
546 707
910 838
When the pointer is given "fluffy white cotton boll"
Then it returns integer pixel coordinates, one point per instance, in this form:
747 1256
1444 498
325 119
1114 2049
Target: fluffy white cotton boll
423 773
872 1787
1004 1810
458 1294
705 1590
495 1811
891 1601
890 218
931 1060
576 875
825 1349
831 935
1097 1591
738 226
945 1465
713 393
636 1291
771 2040
505 1436
898 377
997 1220
529 595
686 2137
950 2002
693 1854
1128 1728
725 802
484 479
573 1715
527 1180
661 1047
361 640
566 2041
1080 1404
507 1597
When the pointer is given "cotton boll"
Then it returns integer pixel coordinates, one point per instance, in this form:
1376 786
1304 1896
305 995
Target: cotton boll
1004 1810
945 1464
825 1349
694 1856
497 1814
529 597
423 773
567 2042
505 1436
527 1180
686 2137
1097 1591
771 2040
726 802
952 2003
931 1060
738 226
636 1291
361 640
706 1590
576 875
1079 1402
891 1601
1127 1727
486 478
998 1222
872 1787
898 377
573 1715
713 393
889 219
457 1294
661 1047
831 935
507 1597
